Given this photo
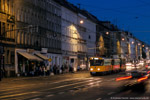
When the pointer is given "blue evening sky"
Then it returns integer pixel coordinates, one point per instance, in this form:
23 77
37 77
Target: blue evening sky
130 15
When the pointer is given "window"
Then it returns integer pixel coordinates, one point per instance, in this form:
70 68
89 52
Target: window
7 61
12 57
0 30
0 6
3 6
3 29
12 8
97 62
89 37
8 6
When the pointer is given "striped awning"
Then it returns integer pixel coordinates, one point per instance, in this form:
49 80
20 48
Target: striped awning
30 56
41 56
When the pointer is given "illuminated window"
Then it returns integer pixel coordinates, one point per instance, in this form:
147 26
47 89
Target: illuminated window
3 6
0 5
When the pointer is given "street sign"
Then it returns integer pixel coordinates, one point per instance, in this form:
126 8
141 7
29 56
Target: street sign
49 59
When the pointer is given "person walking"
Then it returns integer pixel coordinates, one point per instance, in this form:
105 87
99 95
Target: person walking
62 69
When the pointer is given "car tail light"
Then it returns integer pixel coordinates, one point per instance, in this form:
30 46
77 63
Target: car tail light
123 78
146 66
148 72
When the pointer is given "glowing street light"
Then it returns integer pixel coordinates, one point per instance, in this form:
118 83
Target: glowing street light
123 39
107 33
132 42
139 44
143 45
81 21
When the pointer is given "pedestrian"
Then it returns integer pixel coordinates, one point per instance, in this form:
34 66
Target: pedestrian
78 68
44 71
58 69
55 69
48 70
62 69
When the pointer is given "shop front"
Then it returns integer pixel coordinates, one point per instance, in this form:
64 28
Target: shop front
27 64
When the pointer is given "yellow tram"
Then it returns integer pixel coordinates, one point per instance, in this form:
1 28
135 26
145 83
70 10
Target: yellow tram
100 65
106 65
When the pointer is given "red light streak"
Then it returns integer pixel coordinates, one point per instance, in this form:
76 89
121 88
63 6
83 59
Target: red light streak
148 72
123 78
142 78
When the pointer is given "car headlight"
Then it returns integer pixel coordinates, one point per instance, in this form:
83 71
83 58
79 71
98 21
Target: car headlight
98 69
91 69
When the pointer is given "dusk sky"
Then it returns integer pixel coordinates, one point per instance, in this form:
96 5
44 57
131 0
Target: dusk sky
130 15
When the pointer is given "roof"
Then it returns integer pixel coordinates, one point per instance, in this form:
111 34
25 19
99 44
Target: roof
77 10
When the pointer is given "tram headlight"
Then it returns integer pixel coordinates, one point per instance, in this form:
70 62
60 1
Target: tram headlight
91 69
98 69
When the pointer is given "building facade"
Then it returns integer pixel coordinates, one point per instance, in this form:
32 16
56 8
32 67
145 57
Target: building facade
78 35
7 36
34 31
28 26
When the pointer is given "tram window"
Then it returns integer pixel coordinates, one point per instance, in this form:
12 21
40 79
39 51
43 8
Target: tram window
96 62
112 62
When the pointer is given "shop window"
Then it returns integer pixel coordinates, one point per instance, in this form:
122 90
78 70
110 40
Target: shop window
8 33
72 60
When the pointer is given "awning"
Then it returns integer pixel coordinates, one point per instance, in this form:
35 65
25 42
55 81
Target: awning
30 56
41 56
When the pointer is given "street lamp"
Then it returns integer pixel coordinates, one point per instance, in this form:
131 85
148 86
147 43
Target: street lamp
123 39
143 45
81 21
139 44
107 33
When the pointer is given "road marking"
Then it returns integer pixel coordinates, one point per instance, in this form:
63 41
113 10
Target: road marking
22 86
8 96
99 99
110 93
71 90
66 85
36 99
16 87
61 92
50 95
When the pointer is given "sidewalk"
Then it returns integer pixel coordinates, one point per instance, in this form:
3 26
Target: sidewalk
53 77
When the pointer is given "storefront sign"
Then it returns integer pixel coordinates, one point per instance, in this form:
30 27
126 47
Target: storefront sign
30 50
44 50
